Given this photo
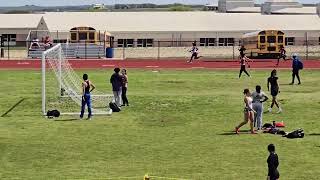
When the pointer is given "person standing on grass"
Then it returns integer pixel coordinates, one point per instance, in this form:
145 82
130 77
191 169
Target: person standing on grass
248 112
273 81
194 52
243 61
282 54
87 88
124 87
273 163
297 65
259 98
116 81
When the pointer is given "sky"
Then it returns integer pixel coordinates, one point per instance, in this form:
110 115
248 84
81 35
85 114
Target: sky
86 2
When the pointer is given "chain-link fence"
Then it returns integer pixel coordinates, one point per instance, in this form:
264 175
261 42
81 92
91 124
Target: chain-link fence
145 49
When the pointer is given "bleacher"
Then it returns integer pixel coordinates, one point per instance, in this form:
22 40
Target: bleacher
74 50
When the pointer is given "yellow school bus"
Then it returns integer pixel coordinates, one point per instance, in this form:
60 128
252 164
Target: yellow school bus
263 43
85 34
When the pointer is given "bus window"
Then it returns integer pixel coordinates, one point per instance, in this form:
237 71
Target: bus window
83 36
91 36
271 39
280 39
262 39
73 36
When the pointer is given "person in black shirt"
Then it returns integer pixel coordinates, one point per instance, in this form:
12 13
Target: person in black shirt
242 50
273 81
87 87
116 81
282 54
273 163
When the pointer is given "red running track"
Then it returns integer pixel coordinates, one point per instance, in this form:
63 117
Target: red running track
157 64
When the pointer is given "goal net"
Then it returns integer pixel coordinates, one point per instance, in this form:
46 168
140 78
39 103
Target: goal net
61 86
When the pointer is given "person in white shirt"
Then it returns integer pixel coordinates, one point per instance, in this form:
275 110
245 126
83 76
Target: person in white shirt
194 52
259 98
248 112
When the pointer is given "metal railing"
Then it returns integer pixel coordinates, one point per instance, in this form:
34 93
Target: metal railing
161 50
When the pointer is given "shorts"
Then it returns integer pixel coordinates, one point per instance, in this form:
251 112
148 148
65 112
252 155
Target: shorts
274 92
247 109
282 56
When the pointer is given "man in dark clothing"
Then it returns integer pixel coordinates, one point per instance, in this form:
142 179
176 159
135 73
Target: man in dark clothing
273 163
242 50
296 67
116 81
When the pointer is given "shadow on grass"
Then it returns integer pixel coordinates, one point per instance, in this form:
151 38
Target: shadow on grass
233 133
314 134
65 120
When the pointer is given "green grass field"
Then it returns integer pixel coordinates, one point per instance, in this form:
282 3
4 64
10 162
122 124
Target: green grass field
178 126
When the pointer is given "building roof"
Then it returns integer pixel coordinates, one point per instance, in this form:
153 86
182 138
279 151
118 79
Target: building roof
246 9
19 21
180 21
276 1
303 10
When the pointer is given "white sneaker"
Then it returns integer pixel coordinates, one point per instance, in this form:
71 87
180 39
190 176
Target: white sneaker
280 110
270 110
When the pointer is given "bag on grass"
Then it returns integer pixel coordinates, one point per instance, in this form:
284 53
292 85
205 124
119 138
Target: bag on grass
114 107
299 133
53 113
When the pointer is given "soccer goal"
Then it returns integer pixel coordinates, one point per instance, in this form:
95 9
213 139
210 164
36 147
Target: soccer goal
61 86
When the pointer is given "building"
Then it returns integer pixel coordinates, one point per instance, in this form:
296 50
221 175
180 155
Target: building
274 5
145 29
14 28
98 6
226 5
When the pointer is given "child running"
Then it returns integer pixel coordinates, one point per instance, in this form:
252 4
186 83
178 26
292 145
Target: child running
243 61
273 163
248 112
87 87
194 51
282 54
273 81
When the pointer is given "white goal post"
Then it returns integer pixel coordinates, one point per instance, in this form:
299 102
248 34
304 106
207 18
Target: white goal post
61 86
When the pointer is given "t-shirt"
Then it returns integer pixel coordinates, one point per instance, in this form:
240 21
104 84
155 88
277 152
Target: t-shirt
194 49
116 81
258 97
273 82
273 164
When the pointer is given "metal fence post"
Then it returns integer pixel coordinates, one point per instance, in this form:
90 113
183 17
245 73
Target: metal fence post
8 47
85 49
307 46
233 51
158 50
123 53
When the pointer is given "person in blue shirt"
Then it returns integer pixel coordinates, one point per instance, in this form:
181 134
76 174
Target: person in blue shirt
296 67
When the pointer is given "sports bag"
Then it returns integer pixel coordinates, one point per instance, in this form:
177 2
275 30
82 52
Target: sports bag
53 113
299 133
114 107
